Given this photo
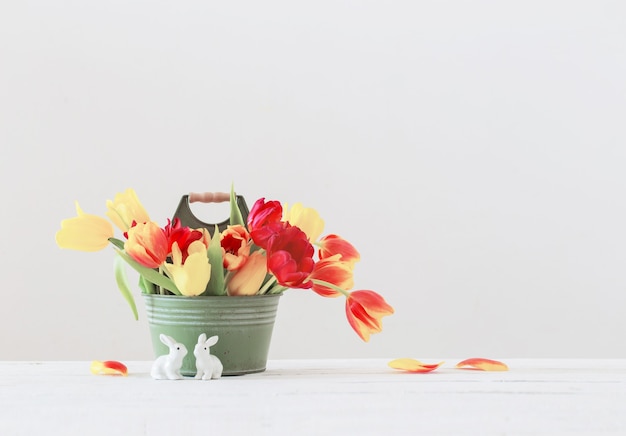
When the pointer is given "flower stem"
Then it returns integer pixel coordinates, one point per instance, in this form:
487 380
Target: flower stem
161 287
331 286
277 289
267 285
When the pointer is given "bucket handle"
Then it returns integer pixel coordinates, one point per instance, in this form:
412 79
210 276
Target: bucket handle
188 219
208 197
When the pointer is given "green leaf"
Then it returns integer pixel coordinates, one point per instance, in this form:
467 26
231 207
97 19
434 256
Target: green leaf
150 274
119 244
146 286
122 284
214 252
235 213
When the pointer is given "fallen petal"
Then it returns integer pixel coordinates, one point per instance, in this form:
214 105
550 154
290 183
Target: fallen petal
482 364
412 365
108 367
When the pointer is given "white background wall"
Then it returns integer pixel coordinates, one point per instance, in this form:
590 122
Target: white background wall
473 152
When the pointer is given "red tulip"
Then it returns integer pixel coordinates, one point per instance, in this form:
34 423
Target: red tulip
365 310
175 232
264 221
290 258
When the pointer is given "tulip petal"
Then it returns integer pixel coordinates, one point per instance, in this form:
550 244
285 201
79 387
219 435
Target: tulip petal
108 367
482 364
413 366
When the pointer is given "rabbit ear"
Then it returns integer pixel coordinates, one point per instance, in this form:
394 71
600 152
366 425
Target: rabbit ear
202 338
212 340
167 340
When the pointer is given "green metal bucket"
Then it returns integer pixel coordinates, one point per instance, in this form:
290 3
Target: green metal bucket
244 325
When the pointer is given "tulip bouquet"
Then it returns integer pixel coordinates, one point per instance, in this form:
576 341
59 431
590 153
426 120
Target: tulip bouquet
278 248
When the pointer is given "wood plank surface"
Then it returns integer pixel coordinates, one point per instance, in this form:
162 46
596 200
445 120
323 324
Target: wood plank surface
319 397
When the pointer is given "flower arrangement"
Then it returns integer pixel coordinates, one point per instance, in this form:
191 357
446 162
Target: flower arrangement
278 248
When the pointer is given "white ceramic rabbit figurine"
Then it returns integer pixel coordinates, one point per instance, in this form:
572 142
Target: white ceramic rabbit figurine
167 366
208 366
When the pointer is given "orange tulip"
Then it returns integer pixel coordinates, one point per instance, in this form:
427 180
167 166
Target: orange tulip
247 280
147 244
234 241
365 310
334 271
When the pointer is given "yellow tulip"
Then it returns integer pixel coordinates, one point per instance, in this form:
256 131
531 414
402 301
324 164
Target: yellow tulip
306 218
125 209
192 276
85 232
247 280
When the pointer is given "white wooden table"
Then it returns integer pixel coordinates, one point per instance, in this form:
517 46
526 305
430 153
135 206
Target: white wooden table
318 397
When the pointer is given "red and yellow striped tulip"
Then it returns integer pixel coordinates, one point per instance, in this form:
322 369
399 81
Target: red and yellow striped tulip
147 244
334 271
330 245
365 310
